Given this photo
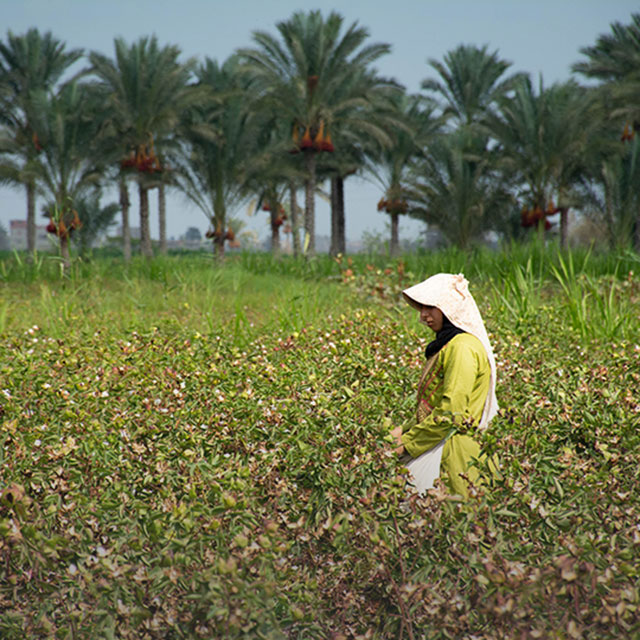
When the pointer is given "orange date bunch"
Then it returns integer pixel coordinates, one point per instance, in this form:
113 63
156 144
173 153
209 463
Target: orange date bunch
220 236
143 159
532 217
393 205
312 138
64 224
629 131
278 220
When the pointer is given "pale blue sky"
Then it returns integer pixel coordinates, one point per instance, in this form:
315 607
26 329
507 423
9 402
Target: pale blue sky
541 37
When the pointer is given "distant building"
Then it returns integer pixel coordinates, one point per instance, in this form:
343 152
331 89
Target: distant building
18 236
133 231
192 239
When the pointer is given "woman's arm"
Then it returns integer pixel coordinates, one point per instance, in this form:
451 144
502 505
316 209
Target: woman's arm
460 368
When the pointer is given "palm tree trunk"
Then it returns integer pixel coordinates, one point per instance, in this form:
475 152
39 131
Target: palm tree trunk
126 230
220 220
394 245
275 231
564 227
145 233
64 253
31 216
610 226
218 247
338 242
333 250
162 216
309 204
295 219
541 233
342 242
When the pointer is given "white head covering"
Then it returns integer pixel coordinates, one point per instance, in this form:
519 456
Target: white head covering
450 293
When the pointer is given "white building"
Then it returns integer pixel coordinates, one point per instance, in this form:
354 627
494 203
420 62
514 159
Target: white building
18 236
134 232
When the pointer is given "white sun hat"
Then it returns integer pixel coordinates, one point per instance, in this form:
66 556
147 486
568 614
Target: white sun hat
450 293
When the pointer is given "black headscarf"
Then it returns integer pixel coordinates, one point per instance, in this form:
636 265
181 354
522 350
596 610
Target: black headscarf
443 336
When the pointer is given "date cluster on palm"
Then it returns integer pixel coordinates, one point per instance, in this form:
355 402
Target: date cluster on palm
279 219
393 205
532 217
218 234
629 131
65 225
311 139
143 159
266 206
36 142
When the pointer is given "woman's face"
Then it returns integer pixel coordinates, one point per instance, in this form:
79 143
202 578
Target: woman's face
432 317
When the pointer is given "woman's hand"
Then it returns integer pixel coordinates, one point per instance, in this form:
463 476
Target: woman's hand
396 434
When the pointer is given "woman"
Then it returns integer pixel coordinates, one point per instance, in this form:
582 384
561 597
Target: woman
457 388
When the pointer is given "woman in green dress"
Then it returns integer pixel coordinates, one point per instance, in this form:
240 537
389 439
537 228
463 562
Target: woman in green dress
456 392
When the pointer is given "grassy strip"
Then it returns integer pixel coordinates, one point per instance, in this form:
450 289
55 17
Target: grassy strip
478 264
213 298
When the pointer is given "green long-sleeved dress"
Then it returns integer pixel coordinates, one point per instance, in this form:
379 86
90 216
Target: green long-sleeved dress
451 393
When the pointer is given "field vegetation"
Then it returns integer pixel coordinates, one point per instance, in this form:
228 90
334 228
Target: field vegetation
194 449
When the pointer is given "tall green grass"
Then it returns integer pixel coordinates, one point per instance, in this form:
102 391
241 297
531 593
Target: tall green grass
477 264
517 291
597 296
598 306
481 264
594 293
164 291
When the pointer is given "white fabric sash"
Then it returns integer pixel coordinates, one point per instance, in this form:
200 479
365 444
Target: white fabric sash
426 468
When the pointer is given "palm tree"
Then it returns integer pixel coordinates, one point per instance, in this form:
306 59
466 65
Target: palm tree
391 164
366 126
222 141
456 188
613 196
303 77
66 169
609 186
471 82
147 91
615 61
271 175
96 218
29 64
272 200
543 139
